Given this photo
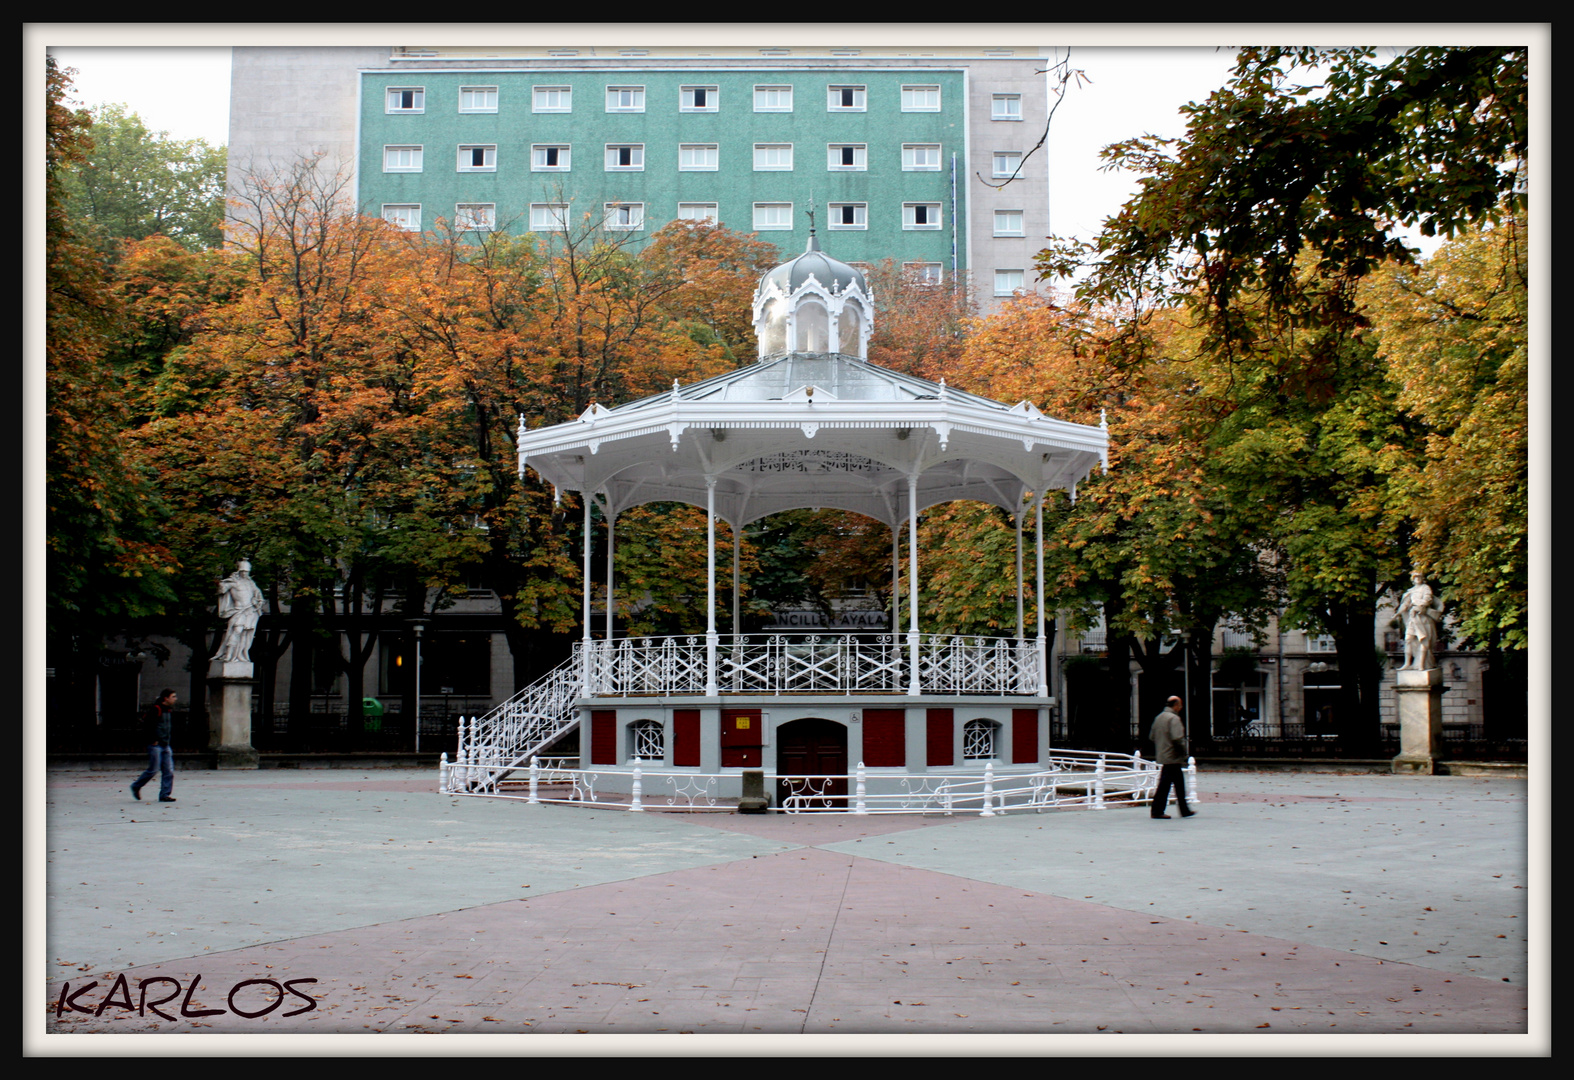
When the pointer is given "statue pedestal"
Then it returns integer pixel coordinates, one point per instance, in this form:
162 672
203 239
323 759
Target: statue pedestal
229 714
1420 697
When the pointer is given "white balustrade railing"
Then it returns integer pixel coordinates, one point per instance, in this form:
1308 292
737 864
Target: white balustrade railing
508 737
1070 780
810 663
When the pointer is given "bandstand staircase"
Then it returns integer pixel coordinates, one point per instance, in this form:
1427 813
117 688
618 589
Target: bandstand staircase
505 739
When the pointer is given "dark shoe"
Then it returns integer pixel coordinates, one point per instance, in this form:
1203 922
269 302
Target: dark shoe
166 798
1159 817
1188 813
136 792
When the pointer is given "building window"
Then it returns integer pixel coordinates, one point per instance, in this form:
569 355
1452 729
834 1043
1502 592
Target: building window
978 740
548 217
772 157
697 211
624 216
629 158
1006 107
401 159
849 215
549 158
847 99
772 216
1007 163
1323 643
920 157
625 99
553 99
406 99
848 157
1008 282
773 99
478 159
478 99
920 99
923 273
697 99
404 215
475 217
1008 223
921 215
647 740
697 157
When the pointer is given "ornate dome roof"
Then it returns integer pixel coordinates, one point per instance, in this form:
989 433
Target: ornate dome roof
834 274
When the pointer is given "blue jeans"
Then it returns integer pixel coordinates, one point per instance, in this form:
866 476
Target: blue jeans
161 760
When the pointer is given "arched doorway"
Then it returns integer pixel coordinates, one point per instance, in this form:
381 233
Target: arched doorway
815 748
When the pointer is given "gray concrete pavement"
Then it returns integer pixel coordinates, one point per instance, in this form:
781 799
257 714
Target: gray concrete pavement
1292 903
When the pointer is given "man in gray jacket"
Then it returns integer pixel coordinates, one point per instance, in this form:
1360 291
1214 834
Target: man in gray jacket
1169 750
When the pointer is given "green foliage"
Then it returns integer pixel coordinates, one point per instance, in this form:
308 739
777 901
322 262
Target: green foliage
133 183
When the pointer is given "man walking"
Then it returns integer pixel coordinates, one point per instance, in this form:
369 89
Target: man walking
156 725
1169 750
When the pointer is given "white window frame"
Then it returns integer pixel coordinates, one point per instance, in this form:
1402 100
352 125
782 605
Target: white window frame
980 739
913 102
774 211
925 273
769 150
489 91
636 155
475 217
1007 229
772 98
910 216
541 98
418 102
406 216
860 216
688 151
1000 107
631 215
648 741
911 160
1004 282
548 217
617 95
1005 163
836 92
833 156
538 157
686 98
711 211
488 157
417 160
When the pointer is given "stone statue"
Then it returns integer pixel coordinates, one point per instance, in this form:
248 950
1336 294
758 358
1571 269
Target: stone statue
1421 611
240 601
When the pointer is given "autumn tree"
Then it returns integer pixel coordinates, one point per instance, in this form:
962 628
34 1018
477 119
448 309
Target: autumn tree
106 559
920 323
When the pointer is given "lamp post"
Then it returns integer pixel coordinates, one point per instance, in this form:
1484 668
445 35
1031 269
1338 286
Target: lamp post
419 624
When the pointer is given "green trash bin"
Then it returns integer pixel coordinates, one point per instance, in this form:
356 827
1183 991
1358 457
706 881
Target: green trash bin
371 714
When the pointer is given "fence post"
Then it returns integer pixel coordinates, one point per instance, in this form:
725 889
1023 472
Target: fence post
989 790
1191 782
535 776
859 791
442 773
1098 784
636 807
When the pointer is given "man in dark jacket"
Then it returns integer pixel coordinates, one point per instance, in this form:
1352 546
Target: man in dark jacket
1169 750
156 725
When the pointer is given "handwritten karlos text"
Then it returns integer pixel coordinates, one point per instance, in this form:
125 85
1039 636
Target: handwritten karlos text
251 999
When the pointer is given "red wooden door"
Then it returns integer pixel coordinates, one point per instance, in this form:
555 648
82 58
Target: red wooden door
814 748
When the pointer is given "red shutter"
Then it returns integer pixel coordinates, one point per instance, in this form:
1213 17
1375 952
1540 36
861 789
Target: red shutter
1024 736
686 738
604 737
939 728
885 737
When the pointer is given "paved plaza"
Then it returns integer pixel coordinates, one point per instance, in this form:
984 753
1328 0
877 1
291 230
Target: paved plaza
306 902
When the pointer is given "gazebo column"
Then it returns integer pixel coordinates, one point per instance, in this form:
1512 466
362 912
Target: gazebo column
913 685
896 577
1020 583
584 656
611 606
1038 544
710 586
737 547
